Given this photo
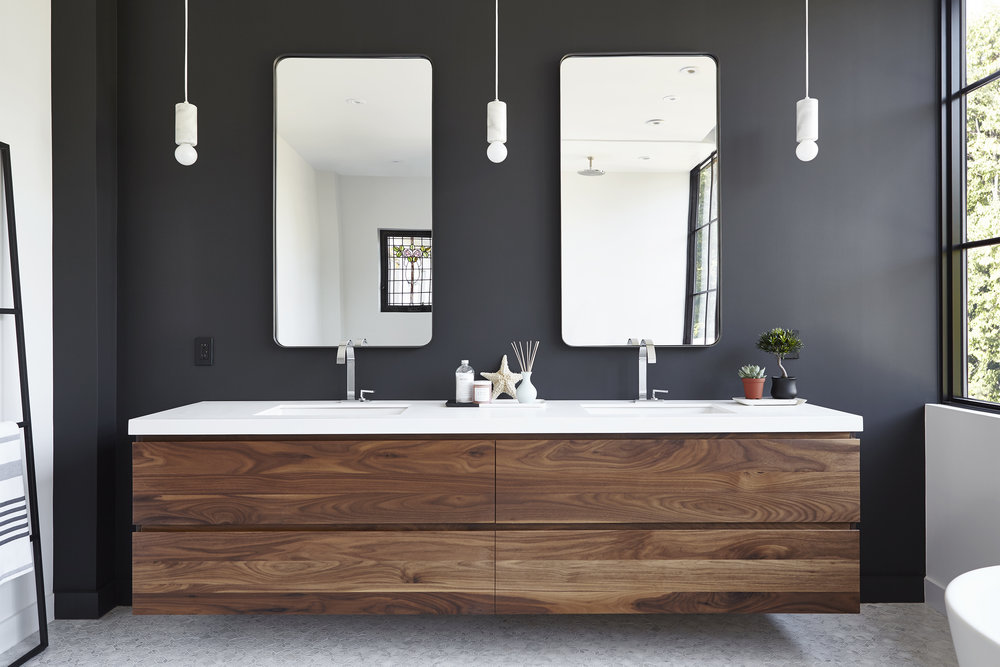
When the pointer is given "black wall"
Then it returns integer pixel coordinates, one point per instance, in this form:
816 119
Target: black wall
844 248
84 256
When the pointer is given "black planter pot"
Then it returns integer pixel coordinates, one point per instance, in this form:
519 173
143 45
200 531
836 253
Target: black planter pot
783 387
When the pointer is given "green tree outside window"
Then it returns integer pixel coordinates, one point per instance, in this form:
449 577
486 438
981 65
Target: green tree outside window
983 207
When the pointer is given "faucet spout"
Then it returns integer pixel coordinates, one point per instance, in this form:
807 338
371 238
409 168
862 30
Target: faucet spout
647 355
643 360
345 355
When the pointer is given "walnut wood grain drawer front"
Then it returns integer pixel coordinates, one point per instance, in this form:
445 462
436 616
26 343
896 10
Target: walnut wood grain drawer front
677 571
312 482
684 480
313 572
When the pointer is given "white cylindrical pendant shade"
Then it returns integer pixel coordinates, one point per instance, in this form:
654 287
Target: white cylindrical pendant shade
185 124
496 122
807 119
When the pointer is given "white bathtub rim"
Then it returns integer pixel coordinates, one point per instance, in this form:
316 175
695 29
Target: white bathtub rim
973 603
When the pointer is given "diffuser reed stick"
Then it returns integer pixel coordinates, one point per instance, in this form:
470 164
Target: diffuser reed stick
525 353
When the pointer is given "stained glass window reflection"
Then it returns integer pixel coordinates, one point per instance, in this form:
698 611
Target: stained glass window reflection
406 270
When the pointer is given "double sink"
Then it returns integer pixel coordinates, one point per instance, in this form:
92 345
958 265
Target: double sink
356 410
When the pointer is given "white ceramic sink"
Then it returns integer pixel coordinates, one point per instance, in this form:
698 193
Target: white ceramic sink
335 410
653 409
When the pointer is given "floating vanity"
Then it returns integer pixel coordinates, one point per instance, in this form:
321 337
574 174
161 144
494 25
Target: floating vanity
574 507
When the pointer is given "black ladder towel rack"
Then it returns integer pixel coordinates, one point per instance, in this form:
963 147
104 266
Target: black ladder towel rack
29 449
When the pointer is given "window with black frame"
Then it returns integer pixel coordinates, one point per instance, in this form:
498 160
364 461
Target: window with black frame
972 201
703 254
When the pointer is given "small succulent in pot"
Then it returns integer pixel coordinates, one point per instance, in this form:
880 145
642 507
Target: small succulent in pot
781 343
752 372
753 377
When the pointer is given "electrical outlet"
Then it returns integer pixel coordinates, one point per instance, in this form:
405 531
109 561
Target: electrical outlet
204 351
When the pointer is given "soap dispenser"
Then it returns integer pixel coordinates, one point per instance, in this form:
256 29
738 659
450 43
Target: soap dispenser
464 377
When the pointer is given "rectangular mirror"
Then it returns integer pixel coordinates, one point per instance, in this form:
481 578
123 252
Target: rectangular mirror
353 242
640 199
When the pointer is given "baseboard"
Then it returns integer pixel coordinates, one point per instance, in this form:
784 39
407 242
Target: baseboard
19 626
86 604
902 588
934 594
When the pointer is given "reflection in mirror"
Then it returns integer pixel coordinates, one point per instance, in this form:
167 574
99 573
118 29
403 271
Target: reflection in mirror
352 201
640 199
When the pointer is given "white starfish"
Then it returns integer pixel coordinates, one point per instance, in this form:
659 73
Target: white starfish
503 380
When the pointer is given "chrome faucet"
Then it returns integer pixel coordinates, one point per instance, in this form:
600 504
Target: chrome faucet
345 355
647 355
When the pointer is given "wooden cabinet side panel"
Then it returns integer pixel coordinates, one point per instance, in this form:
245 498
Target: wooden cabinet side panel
660 480
312 482
313 572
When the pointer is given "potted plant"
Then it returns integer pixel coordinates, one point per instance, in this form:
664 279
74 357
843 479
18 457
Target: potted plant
753 377
781 342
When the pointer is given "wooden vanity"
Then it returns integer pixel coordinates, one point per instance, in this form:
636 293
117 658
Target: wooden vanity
508 524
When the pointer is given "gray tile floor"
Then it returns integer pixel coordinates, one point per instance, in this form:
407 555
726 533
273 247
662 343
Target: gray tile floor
883 635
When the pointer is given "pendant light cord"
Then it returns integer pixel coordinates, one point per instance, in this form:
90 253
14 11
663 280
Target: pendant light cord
185 51
807 48
496 50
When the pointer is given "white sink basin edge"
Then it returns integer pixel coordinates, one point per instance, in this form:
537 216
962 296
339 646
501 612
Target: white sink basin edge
376 409
657 409
335 410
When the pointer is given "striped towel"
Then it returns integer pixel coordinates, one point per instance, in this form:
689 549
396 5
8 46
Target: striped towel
15 547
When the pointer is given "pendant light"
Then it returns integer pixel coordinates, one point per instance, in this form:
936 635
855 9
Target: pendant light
186 114
590 171
496 111
807 114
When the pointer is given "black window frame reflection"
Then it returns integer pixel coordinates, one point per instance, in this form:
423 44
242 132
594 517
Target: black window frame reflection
708 229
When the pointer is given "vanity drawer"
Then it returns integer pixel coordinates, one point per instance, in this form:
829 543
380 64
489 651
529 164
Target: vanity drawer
312 482
677 571
650 480
312 572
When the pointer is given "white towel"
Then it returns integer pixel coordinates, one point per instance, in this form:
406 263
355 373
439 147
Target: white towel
15 546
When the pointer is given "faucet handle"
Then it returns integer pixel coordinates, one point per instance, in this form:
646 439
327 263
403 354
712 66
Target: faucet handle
659 391
361 397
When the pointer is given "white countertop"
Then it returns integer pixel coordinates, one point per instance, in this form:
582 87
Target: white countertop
433 418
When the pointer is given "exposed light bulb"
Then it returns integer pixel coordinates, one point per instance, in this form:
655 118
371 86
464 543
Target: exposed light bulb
497 152
186 154
806 150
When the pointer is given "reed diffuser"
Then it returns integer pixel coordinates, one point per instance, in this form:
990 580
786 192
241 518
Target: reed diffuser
525 353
